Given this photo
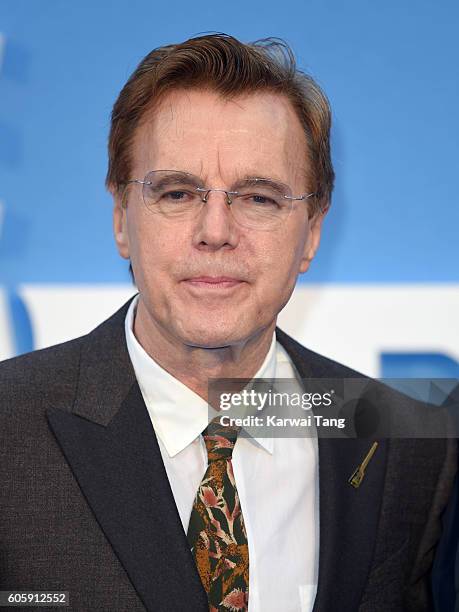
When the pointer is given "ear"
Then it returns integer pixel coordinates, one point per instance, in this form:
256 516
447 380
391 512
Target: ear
313 240
120 222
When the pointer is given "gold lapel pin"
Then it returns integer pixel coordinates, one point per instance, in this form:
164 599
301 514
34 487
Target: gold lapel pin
356 479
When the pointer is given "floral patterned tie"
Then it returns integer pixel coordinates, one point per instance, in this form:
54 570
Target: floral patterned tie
216 531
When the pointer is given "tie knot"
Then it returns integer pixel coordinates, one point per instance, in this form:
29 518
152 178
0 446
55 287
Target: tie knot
220 440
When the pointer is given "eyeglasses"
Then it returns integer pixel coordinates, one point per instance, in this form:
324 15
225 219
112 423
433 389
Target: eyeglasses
257 203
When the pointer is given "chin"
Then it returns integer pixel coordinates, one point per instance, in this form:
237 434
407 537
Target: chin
207 335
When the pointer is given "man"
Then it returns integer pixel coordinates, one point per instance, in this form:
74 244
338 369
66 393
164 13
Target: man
113 487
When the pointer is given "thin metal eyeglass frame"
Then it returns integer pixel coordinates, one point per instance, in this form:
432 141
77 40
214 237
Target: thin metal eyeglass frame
206 190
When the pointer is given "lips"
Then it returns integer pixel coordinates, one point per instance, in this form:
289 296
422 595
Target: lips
213 279
213 282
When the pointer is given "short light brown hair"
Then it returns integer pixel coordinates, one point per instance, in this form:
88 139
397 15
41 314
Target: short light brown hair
229 67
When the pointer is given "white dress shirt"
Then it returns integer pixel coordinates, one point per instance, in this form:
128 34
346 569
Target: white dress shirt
276 478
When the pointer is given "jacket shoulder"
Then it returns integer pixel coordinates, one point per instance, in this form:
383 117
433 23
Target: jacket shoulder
401 411
49 376
44 374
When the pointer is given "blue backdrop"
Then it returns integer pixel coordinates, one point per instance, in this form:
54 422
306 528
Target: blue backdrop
389 69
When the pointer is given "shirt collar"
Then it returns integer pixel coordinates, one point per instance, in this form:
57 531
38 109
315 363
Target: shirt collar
178 414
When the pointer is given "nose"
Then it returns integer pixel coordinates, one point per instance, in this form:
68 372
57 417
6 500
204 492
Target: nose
215 226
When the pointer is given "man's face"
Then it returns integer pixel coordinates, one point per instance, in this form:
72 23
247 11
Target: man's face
219 141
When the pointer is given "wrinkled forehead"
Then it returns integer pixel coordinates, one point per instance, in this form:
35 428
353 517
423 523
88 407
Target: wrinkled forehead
202 133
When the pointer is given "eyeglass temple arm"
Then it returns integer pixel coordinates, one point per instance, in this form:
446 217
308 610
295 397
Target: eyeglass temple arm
303 197
136 181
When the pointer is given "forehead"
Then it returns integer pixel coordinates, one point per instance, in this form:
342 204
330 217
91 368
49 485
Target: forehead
203 133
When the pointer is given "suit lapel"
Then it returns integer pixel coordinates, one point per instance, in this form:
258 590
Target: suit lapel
111 447
348 517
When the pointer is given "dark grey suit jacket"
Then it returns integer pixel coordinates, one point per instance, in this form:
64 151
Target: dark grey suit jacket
86 505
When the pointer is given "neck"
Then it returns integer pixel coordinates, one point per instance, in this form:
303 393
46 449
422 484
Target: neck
194 365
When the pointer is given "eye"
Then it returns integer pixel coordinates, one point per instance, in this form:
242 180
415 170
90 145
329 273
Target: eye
176 195
262 200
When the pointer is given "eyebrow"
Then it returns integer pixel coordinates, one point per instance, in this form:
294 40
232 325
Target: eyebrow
182 176
253 181
250 179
